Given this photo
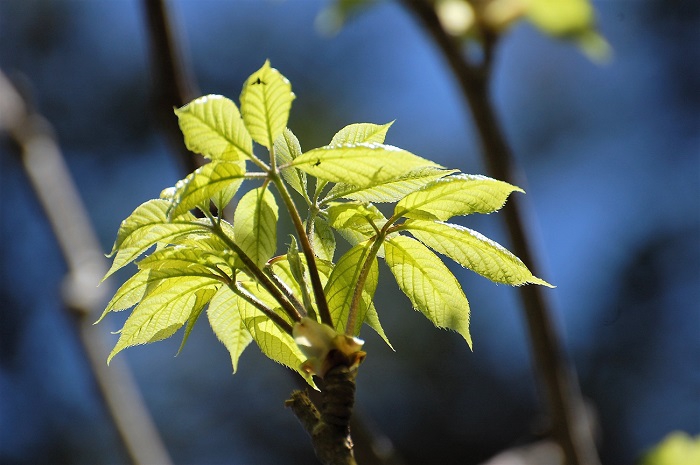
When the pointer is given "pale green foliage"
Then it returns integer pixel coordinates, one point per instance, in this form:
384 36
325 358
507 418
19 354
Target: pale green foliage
678 448
265 103
432 288
253 292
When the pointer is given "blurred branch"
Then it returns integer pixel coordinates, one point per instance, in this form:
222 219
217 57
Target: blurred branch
52 183
569 424
173 84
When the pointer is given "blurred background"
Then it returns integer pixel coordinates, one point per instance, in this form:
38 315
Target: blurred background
612 157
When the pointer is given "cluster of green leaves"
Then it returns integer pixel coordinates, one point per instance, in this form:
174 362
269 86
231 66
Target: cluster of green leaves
234 270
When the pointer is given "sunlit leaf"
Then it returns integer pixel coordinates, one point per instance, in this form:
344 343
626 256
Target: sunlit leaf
145 227
213 127
129 294
323 239
162 312
677 448
186 258
273 342
356 216
455 195
255 225
569 19
429 284
474 251
389 191
203 297
342 283
206 182
363 165
265 103
372 320
361 132
227 324
287 148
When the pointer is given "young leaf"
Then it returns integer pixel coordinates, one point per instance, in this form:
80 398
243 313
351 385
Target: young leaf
427 282
569 19
162 312
356 216
203 297
186 258
273 342
146 226
255 225
265 103
322 240
206 182
341 285
129 294
474 251
453 196
361 132
372 320
363 165
389 191
213 127
298 272
226 322
287 148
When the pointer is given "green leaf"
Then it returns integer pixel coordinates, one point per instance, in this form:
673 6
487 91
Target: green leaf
287 148
474 251
561 18
389 191
341 286
298 272
203 297
160 314
209 181
570 19
361 132
356 216
213 127
255 225
453 196
323 240
129 294
372 320
265 103
677 448
363 165
273 342
188 259
227 324
145 227
429 284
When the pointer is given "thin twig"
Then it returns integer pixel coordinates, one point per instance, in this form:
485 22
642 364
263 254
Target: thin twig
569 424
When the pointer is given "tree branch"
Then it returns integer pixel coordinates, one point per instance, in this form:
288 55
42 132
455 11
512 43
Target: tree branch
51 181
329 427
569 426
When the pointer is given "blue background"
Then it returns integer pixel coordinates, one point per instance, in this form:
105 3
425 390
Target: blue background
612 157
